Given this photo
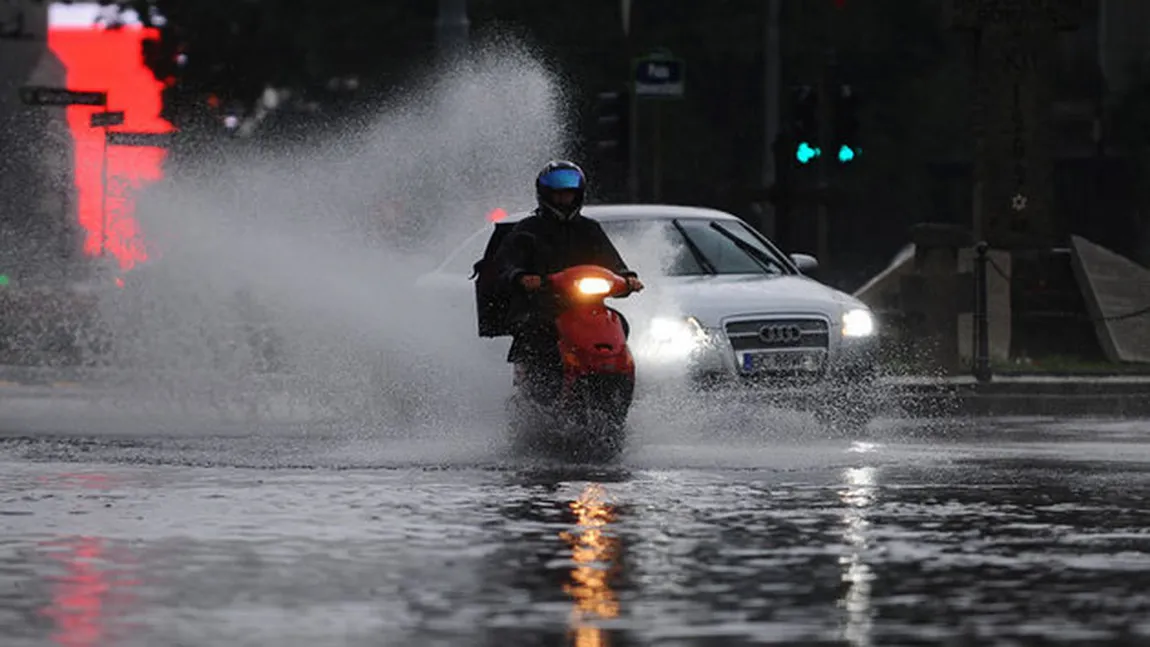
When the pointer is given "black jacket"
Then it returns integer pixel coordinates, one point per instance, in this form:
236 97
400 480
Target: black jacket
543 245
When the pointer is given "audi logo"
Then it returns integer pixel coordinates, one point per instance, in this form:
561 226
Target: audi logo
780 334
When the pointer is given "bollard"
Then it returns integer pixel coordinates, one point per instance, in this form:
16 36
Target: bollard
981 320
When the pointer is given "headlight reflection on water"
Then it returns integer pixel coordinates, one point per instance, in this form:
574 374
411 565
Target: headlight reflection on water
858 496
595 552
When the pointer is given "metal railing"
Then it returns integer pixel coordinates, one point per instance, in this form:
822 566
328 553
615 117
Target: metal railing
983 265
981 326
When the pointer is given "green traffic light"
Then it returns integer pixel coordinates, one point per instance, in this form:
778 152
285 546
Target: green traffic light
846 153
4 280
805 153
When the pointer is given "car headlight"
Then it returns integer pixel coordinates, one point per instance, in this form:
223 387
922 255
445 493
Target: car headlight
674 336
672 330
858 323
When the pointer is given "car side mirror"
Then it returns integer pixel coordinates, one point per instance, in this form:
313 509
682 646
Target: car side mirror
805 262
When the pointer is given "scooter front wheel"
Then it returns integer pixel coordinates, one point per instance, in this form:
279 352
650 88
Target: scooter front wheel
601 405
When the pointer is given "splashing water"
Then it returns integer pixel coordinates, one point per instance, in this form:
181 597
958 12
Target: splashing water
290 273
313 257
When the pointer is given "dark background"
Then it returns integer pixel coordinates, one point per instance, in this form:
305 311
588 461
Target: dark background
909 70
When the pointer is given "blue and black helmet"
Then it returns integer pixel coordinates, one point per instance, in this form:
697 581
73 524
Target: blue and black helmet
557 177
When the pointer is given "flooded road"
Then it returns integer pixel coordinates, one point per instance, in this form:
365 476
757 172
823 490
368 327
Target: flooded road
1024 532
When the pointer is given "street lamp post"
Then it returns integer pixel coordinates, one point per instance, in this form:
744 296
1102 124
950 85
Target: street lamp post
452 28
105 120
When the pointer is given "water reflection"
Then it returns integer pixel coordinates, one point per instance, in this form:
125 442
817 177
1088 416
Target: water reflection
595 552
81 480
552 477
858 496
87 598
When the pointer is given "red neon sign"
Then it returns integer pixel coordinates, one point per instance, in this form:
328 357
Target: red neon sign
95 57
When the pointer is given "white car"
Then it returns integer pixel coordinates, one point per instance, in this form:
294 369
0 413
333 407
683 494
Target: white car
723 308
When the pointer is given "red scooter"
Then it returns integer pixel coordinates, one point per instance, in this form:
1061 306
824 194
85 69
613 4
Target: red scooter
598 372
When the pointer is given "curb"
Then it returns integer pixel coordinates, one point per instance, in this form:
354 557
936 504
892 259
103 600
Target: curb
1109 396
1005 405
913 397
103 378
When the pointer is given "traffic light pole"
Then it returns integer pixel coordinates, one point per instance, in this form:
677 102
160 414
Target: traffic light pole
826 132
826 137
657 152
104 194
771 67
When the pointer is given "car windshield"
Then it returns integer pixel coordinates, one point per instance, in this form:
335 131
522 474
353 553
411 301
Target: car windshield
693 246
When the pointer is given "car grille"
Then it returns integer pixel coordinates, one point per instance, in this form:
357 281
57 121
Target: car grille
792 350
778 334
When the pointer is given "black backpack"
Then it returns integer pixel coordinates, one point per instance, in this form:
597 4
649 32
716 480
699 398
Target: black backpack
492 300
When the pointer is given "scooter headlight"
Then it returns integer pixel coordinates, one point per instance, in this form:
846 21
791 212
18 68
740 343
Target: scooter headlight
593 286
858 323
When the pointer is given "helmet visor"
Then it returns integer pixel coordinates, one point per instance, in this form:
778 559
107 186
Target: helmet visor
563 178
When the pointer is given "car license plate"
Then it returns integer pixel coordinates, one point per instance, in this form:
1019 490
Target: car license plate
781 362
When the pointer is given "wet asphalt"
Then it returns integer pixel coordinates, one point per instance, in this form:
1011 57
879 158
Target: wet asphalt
747 528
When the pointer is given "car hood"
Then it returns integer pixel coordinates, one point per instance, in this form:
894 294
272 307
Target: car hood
711 299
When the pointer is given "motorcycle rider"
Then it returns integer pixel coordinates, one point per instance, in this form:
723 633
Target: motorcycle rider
555 237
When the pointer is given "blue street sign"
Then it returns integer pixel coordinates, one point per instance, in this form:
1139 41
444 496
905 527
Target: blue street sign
659 76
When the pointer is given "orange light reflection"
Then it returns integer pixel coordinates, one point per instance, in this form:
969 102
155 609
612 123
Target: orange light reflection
595 552
83 480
